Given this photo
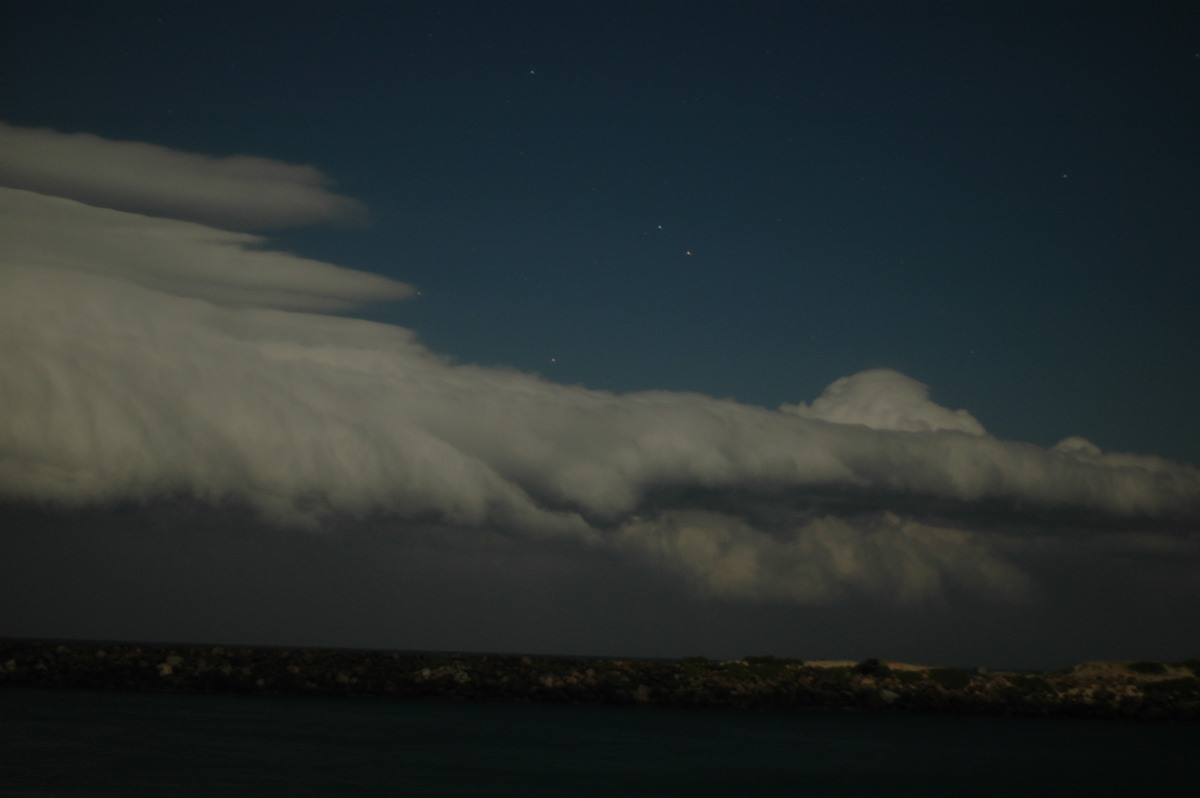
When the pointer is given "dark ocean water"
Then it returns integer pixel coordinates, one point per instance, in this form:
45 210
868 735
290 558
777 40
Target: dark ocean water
91 743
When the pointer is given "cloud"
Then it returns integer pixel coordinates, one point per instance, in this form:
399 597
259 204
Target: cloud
885 399
150 360
826 558
238 191
180 259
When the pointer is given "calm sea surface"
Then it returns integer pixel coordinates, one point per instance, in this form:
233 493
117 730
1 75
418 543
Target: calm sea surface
93 743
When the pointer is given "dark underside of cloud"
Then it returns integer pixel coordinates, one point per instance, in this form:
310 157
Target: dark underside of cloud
190 442
185 572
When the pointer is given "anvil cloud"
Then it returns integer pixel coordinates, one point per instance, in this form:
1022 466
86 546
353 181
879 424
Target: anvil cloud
148 359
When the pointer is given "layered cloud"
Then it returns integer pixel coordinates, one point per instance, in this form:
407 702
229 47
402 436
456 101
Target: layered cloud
239 191
148 359
179 259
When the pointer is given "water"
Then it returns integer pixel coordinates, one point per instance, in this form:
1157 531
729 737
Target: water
91 743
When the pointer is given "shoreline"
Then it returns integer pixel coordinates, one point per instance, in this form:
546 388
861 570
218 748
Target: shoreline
1129 690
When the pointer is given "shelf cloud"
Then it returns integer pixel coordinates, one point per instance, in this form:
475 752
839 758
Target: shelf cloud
150 359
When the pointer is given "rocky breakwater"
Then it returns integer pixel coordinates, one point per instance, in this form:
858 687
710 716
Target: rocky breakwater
1134 690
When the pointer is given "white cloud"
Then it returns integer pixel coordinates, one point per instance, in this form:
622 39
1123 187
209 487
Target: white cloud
1077 446
885 399
147 359
238 191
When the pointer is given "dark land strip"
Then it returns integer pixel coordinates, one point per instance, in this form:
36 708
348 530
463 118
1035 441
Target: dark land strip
1119 690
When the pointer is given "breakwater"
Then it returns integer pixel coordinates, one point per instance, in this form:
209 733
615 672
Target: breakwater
1129 690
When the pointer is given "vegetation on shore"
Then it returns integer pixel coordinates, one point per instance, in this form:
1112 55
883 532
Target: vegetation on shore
1136 690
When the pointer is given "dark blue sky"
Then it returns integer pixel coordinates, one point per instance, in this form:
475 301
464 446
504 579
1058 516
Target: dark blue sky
1000 202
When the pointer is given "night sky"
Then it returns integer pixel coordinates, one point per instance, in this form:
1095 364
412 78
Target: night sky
833 329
